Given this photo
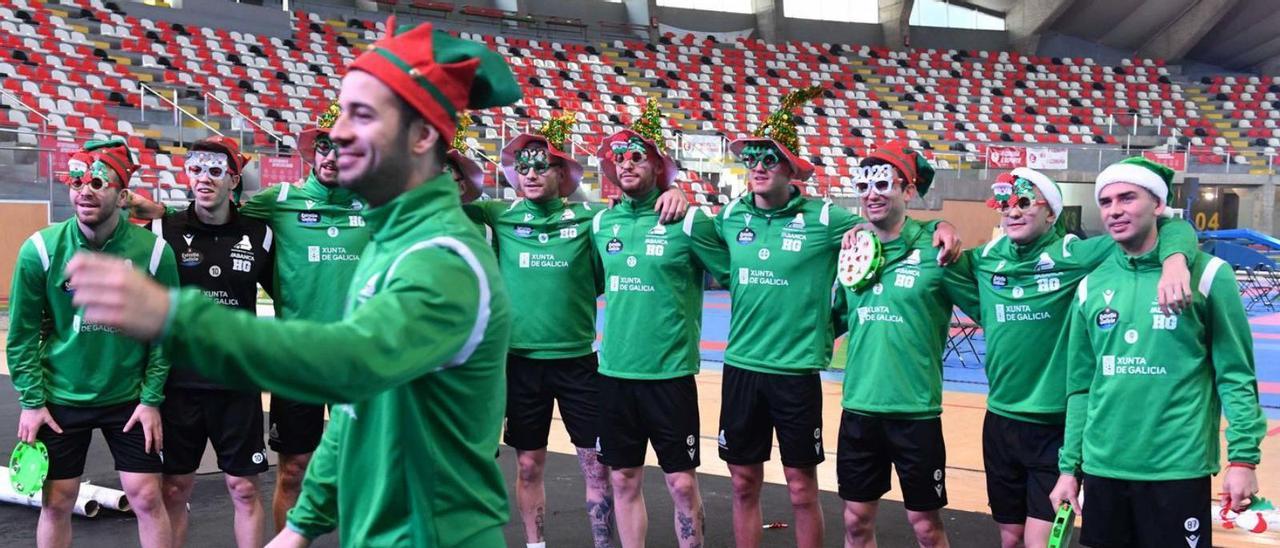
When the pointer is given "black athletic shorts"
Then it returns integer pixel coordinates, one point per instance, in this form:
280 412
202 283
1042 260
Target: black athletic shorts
634 413
869 446
754 404
533 385
295 427
1146 514
1021 461
68 450
230 419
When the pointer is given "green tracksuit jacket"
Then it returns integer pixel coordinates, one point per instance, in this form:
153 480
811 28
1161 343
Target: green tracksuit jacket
1025 292
551 271
54 356
782 265
653 288
898 329
319 236
416 366
1145 390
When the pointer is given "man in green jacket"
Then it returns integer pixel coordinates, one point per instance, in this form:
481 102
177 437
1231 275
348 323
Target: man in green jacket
1146 389
319 234
892 397
1025 281
652 327
553 275
74 374
416 364
782 265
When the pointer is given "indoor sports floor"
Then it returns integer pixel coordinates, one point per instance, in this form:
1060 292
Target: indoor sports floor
967 521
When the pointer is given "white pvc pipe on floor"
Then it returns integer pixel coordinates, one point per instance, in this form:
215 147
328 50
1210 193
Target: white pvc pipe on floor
85 506
113 499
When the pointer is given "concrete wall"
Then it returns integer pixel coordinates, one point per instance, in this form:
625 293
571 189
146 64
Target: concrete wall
701 20
589 11
946 38
830 31
259 20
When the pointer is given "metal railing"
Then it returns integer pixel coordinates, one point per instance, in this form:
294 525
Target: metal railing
178 111
236 111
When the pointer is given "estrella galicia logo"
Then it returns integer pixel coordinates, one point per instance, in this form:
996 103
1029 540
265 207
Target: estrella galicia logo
746 236
1107 318
613 247
308 218
524 231
999 281
190 258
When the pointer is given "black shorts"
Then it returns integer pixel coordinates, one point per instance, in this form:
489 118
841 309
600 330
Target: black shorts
533 385
67 451
870 445
295 427
1021 461
1146 514
231 420
636 412
754 404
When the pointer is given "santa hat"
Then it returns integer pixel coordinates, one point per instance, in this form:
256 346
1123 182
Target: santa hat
910 163
466 168
324 123
648 130
439 75
1048 187
114 154
1140 171
779 129
553 134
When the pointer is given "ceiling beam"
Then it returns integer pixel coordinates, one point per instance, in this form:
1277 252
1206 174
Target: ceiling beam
1028 19
1176 39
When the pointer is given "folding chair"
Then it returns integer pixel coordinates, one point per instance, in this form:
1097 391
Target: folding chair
960 340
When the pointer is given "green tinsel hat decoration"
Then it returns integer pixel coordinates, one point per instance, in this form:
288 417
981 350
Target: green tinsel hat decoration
781 124
558 129
649 125
460 137
329 117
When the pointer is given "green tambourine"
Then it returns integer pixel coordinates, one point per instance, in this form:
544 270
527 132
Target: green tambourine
1064 524
28 467
858 265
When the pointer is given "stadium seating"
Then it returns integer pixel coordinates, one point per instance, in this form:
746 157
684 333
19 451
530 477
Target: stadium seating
84 66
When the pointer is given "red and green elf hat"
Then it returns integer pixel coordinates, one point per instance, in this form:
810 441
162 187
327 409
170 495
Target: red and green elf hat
112 154
439 75
910 163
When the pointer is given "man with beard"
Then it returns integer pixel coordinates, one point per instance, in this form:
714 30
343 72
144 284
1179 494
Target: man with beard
783 249
652 325
416 362
74 374
553 276
319 235
227 256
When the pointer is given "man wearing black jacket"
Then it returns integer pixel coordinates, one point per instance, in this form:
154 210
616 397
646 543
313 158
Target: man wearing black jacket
227 256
